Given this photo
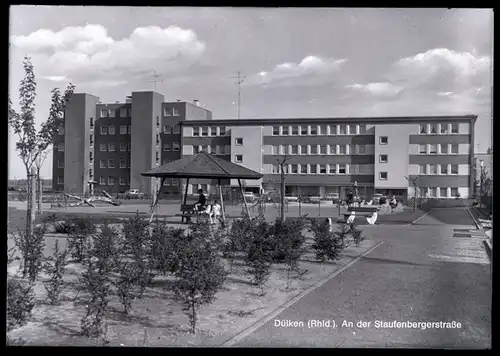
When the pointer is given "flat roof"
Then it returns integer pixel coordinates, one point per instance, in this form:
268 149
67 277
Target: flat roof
326 120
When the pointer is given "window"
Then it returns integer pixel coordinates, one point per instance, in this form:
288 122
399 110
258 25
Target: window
129 129
122 181
177 129
383 158
304 130
91 140
91 156
333 169
274 150
444 129
352 130
322 169
123 146
204 131
454 192
102 180
129 146
294 149
322 130
314 149
342 149
111 163
238 158
239 141
167 147
333 129
422 128
432 192
60 147
422 169
157 156
454 169
275 169
443 192
454 149
276 130
123 163
444 169
218 150
222 130
303 169
197 149
103 147
176 112
314 130
111 130
433 149
104 130
227 149
454 128
384 140
111 180
123 112
422 149
111 147
196 130
342 169
157 121
333 149
313 169
284 130
342 129
303 149
294 169
176 146
104 113
167 112
383 175
111 112
91 174
362 129
443 148
123 129
91 123
433 129
295 130
322 150
361 149
102 163
432 169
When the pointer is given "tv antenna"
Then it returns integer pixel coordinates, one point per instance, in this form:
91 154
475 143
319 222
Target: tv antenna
156 79
240 80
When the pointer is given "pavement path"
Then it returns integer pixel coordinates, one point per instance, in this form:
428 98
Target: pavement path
434 270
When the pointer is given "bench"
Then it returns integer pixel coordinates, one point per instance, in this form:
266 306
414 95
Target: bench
369 212
187 212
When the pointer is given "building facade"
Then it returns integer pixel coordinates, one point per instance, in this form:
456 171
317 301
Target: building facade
112 144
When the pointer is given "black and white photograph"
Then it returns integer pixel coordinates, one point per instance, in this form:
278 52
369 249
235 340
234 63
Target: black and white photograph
237 177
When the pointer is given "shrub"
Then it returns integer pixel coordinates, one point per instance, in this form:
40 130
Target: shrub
200 277
15 342
240 235
31 248
326 244
20 302
63 227
165 242
77 246
124 286
56 271
356 234
50 219
260 252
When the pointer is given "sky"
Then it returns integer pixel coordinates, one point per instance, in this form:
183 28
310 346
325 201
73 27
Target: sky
302 62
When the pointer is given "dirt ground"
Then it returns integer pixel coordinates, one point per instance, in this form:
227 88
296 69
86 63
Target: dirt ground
156 320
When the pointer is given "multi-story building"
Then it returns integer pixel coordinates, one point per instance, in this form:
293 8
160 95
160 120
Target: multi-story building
114 143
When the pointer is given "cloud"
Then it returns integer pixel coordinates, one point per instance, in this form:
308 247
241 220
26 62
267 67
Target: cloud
311 70
56 78
377 89
88 54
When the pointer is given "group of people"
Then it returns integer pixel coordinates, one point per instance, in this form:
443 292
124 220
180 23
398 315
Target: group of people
351 199
212 210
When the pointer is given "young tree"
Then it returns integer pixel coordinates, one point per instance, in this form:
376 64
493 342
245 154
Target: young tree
39 161
31 144
55 267
283 164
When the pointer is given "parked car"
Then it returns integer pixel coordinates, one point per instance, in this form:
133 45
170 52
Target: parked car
134 194
379 199
249 197
334 197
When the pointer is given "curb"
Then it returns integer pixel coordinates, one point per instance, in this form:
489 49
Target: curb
478 225
249 330
488 247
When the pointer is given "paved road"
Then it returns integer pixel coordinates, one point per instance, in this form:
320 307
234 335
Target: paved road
425 272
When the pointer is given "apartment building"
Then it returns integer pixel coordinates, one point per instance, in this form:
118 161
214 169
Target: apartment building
327 155
112 144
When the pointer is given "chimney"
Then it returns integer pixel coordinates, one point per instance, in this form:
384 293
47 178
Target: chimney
128 100
196 102
178 100
117 102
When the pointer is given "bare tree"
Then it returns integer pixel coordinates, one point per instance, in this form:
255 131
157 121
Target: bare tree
282 160
32 144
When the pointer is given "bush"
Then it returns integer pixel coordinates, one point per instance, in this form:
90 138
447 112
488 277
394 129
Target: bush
165 243
260 253
56 271
288 240
356 234
326 244
15 342
20 302
31 248
200 277
239 238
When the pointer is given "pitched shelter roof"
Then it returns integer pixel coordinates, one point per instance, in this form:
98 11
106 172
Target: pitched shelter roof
202 165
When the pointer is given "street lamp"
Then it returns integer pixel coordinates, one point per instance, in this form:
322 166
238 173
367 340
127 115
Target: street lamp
481 163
